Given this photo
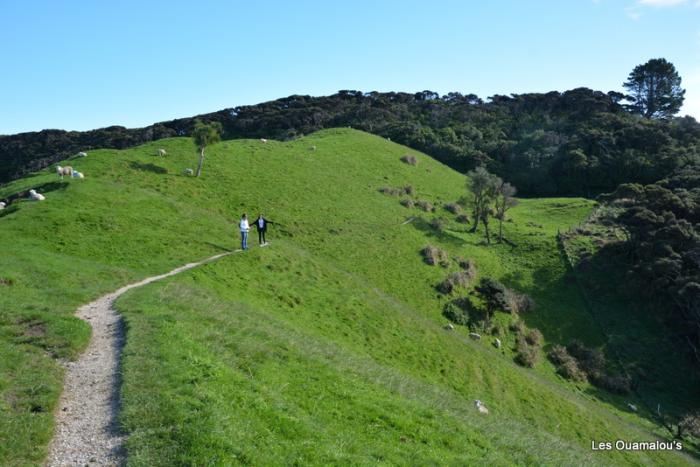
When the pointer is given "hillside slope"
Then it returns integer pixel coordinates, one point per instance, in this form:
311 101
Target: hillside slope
326 347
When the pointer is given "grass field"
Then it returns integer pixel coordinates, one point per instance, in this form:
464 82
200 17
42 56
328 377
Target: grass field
325 348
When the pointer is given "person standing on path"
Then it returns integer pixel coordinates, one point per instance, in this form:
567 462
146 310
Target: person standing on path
261 226
244 231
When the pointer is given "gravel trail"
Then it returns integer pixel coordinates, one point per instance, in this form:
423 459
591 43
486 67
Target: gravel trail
87 432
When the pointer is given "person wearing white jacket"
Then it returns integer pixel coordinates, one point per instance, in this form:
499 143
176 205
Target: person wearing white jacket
245 228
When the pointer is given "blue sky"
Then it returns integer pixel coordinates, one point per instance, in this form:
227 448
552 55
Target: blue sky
79 65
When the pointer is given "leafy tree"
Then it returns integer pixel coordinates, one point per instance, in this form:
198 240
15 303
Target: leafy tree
494 294
484 187
205 134
655 89
505 199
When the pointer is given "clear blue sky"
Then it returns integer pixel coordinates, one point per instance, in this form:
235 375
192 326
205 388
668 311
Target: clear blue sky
86 64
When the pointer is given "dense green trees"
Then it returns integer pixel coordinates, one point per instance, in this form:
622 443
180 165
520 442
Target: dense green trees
662 222
580 142
655 89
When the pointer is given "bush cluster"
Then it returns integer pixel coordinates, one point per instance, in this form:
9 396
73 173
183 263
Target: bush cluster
454 208
433 255
397 191
409 159
426 206
453 281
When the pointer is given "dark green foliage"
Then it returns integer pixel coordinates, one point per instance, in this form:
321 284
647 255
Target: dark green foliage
689 424
456 314
572 143
494 294
663 251
655 89
462 219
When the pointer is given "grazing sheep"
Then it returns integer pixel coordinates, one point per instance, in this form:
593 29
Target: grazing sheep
77 174
61 171
632 407
188 172
497 343
81 154
161 152
449 327
478 405
2 205
34 196
263 140
475 336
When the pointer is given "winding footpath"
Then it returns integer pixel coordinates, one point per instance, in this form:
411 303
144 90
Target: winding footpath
87 431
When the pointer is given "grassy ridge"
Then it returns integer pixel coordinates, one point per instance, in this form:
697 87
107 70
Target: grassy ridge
342 294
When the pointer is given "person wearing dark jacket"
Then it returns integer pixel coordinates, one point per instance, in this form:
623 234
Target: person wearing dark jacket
261 225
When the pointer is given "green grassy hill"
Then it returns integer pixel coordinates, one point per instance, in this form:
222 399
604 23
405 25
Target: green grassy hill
327 347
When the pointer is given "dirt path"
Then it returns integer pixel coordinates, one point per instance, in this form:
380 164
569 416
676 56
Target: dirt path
86 418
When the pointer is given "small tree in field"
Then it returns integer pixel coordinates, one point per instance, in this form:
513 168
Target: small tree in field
205 134
484 186
505 199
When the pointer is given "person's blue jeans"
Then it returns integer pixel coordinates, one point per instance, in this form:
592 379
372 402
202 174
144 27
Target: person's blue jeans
244 240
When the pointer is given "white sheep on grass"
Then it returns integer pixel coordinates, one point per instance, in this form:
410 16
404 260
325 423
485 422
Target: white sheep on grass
81 154
263 140
34 196
61 171
478 405
77 174
2 205
161 152
188 172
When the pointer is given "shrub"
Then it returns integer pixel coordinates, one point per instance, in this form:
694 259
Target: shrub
462 219
407 203
387 190
453 281
527 355
518 327
534 337
456 314
569 369
566 364
519 303
426 206
438 223
409 159
559 355
689 424
468 266
618 384
391 191
592 361
454 208
433 255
